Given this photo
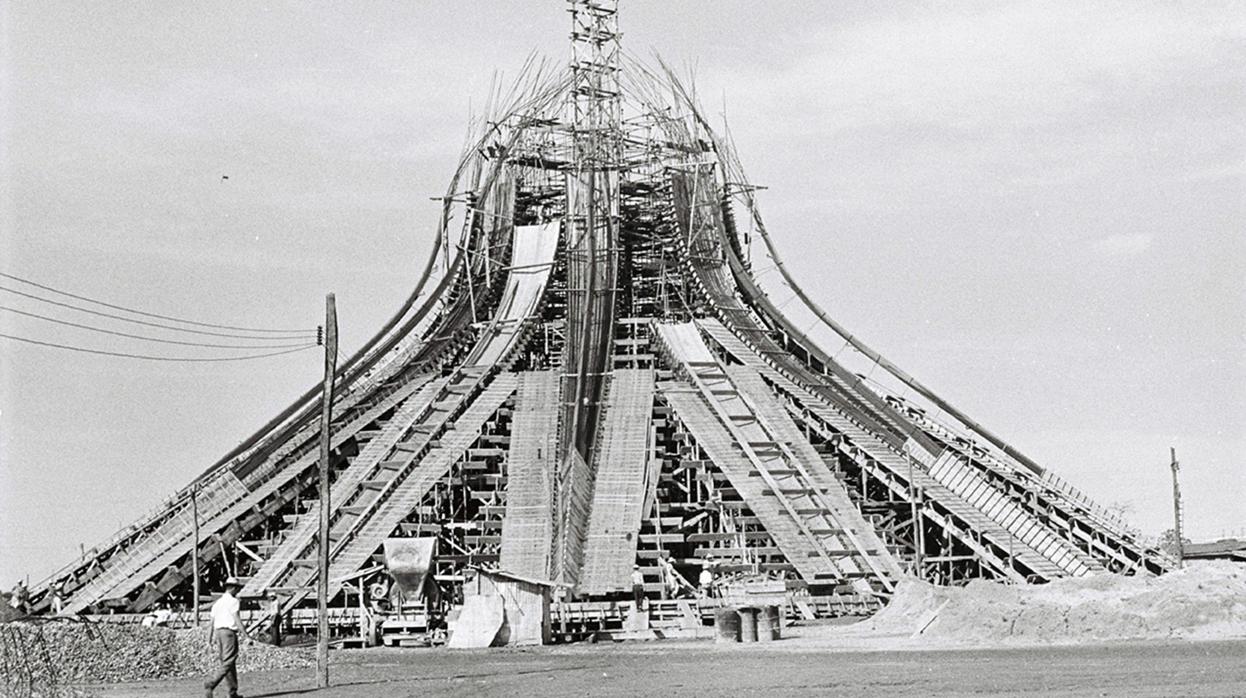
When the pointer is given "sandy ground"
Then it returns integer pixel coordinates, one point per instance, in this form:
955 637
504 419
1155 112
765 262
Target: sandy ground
1180 634
788 667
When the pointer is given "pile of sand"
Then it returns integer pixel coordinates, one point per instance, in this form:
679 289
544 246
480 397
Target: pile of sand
1203 602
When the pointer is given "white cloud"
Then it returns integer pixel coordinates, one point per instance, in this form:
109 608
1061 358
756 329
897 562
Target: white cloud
981 64
1236 170
1123 245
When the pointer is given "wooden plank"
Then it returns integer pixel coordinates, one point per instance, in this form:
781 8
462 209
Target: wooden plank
527 531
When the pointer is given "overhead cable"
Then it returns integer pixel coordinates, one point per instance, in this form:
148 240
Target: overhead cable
149 357
150 339
147 314
152 324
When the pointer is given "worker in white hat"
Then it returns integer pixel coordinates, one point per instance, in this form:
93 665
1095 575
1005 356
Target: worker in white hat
223 633
638 588
706 579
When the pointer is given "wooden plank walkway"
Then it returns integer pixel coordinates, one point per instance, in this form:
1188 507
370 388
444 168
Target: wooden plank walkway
527 526
786 492
347 490
958 477
619 486
832 491
408 490
532 258
975 523
172 539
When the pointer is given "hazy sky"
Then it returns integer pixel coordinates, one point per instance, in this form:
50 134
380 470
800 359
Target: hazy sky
1037 209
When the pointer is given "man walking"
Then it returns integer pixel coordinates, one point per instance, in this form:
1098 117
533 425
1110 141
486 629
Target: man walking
225 627
638 588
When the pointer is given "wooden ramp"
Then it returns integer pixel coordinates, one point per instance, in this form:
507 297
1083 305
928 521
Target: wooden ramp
787 493
450 426
223 502
532 257
398 500
960 478
527 528
619 486
950 511
832 492
350 489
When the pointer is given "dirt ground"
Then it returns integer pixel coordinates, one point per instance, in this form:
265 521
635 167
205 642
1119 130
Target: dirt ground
700 668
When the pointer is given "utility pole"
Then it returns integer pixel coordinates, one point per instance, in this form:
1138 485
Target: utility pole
194 554
1176 507
326 418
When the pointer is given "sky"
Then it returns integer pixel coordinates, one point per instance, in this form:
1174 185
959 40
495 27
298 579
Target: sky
1035 208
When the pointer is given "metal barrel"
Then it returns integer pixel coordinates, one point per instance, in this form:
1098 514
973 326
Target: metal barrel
769 622
726 625
748 624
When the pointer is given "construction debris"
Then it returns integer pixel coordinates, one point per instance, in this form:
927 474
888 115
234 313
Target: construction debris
1201 602
50 654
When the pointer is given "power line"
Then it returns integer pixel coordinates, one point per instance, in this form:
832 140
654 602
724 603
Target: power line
144 322
149 357
146 314
149 339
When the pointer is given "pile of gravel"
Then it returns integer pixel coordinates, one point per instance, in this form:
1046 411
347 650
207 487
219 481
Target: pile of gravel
53 653
194 651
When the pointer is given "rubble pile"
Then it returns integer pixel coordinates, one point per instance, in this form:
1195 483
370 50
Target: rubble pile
66 652
193 650
1201 602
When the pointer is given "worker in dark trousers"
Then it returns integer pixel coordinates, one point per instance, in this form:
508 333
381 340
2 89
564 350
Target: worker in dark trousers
638 588
274 618
225 628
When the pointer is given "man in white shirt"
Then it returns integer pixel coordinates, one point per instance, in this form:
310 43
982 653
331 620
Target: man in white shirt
58 598
706 578
638 588
223 632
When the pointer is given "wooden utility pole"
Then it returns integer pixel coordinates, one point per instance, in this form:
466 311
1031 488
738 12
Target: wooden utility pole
194 554
326 418
1176 507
